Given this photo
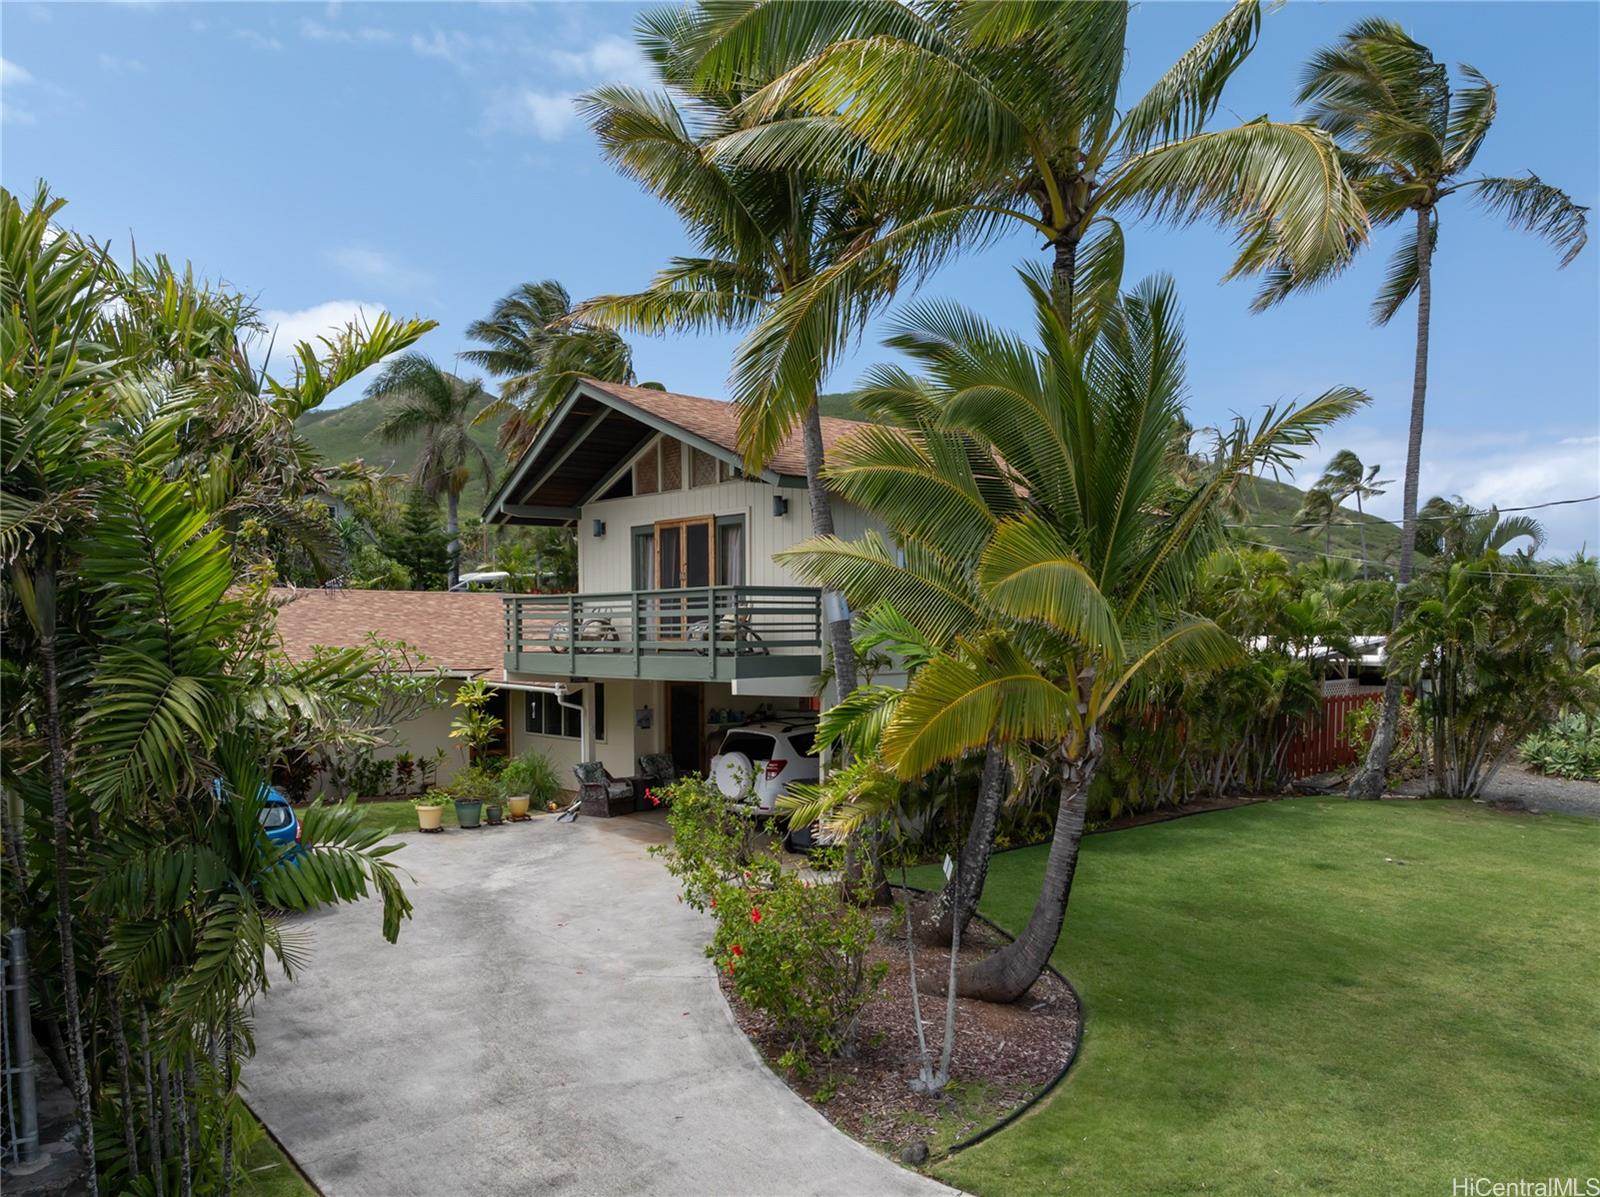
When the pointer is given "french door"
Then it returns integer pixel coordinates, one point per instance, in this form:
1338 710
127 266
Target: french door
685 557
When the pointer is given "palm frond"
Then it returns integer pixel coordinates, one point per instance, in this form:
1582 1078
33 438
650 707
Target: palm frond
1530 204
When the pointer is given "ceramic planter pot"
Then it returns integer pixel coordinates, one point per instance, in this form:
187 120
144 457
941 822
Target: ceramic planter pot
468 814
428 818
492 813
519 806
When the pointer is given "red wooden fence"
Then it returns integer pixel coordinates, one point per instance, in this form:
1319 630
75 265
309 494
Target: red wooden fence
1323 746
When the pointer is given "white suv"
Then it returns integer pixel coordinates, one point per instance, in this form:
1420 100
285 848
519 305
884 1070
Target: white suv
758 761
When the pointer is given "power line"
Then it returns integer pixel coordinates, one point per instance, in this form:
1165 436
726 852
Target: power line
1488 573
1467 511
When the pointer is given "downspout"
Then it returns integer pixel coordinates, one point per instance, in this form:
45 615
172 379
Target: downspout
559 691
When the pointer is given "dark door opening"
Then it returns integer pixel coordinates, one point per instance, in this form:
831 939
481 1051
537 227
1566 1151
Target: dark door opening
685 727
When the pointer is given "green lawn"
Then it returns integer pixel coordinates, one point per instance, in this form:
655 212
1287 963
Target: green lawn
270 1172
1276 1004
400 815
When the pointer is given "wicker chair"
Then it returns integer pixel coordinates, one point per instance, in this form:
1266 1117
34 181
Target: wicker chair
657 769
600 794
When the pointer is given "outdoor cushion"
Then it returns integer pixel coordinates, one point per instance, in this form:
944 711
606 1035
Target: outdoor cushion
657 767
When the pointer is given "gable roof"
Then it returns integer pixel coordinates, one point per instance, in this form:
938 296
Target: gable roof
462 633
600 427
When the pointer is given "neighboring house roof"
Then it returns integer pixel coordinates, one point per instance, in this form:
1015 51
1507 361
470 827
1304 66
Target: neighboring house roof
462 633
601 425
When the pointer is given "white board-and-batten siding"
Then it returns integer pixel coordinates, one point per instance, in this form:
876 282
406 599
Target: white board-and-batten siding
605 563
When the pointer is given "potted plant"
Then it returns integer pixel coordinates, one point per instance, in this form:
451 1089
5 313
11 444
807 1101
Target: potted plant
430 809
471 788
529 779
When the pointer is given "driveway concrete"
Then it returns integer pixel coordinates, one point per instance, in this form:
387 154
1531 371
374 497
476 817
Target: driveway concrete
546 1024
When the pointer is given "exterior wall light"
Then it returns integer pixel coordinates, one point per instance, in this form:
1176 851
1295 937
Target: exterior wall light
780 506
599 528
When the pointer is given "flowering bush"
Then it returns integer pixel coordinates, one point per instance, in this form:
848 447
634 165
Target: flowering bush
792 948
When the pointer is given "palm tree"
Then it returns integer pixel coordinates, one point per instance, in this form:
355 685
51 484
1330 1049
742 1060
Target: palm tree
1054 465
1011 111
537 349
761 234
1348 477
1407 138
427 401
1319 510
1451 532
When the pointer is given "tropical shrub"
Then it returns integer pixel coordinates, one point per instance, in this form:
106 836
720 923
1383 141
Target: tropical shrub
1406 758
147 468
475 727
1502 653
1568 747
371 777
531 774
794 949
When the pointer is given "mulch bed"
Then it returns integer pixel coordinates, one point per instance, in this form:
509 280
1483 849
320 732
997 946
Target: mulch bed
1003 1055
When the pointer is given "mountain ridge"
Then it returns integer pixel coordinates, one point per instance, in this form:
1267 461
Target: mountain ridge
349 432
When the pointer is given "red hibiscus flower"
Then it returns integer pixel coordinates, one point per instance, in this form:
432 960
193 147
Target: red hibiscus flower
755 914
737 950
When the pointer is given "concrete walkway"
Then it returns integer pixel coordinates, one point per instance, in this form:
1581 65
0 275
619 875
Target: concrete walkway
546 1024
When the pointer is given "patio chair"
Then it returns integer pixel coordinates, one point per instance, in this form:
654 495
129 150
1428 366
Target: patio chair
731 628
600 794
657 769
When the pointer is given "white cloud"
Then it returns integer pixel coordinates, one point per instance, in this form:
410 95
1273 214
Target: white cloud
13 76
450 46
286 328
375 266
610 60
547 115
254 37
317 32
111 62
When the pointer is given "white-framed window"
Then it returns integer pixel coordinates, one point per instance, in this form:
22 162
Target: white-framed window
544 716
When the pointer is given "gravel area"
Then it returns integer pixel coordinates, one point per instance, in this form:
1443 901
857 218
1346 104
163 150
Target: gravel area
1522 789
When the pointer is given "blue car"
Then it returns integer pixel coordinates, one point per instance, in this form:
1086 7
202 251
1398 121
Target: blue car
278 819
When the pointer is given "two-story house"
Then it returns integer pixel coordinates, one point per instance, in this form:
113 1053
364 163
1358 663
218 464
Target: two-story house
682 621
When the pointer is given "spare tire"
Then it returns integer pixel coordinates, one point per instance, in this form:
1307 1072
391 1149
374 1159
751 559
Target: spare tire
734 775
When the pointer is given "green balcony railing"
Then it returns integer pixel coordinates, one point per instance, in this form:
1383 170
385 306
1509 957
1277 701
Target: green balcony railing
696 633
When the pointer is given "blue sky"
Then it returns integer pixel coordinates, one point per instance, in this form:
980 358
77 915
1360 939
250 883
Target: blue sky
425 158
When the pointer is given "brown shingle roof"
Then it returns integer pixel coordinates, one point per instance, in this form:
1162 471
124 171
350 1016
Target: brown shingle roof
461 633
718 422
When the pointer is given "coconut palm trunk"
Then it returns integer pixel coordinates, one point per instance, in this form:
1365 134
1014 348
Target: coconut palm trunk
957 902
821 503
452 527
1369 779
1007 974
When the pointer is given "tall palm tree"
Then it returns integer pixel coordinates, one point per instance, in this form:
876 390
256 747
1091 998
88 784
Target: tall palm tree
426 401
1407 139
761 233
537 349
1053 465
1011 111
